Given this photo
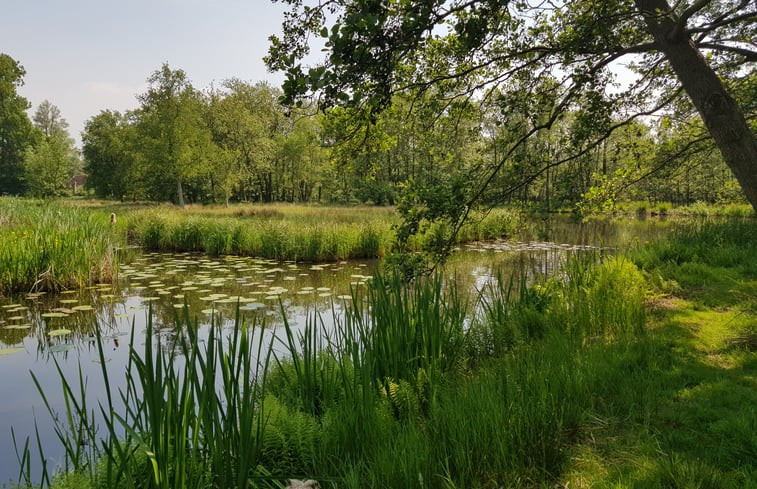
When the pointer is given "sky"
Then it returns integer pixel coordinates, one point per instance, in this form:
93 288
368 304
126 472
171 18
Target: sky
85 56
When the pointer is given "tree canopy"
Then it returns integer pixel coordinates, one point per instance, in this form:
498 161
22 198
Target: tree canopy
16 131
540 63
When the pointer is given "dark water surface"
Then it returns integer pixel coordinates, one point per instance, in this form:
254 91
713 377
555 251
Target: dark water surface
36 331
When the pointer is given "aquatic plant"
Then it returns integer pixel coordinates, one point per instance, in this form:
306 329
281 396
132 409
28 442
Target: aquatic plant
45 246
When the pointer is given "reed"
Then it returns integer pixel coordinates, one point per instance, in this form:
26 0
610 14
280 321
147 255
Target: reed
395 395
46 246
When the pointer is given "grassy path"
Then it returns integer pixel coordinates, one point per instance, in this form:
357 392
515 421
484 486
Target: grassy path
694 424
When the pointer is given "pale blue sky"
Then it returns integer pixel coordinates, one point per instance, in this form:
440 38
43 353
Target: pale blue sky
88 55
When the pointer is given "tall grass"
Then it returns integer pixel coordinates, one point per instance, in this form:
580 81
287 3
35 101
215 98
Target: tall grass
45 246
292 232
409 389
51 246
189 416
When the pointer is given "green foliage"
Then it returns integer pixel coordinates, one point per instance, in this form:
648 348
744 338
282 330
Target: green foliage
411 389
48 168
109 160
16 131
48 246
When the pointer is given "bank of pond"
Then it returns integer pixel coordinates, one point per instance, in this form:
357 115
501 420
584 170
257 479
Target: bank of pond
562 362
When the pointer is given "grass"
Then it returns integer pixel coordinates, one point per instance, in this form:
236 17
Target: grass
631 371
408 390
49 246
697 209
698 429
45 246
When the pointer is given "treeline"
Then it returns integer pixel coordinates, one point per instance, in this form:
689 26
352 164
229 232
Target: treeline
235 142
37 155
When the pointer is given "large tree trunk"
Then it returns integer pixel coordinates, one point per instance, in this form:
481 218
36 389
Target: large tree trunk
719 111
180 191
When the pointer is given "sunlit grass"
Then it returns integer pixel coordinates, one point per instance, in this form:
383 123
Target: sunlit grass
46 246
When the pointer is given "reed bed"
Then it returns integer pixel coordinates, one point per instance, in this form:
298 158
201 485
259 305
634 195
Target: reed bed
414 386
49 246
46 246
289 232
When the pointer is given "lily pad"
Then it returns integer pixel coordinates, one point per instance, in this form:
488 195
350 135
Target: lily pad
18 326
61 348
59 332
83 307
11 351
69 301
54 315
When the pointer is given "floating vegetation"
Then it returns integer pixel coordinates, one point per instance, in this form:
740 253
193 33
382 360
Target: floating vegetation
11 351
54 315
59 332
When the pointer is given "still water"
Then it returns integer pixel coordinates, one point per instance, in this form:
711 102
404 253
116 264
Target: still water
38 331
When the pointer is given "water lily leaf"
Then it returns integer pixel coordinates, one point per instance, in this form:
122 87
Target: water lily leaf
10 306
324 294
54 315
69 301
11 351
59 332
64 310
61 348
18 326
83 307
209 311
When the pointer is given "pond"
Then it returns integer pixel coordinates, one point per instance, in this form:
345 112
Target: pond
38 331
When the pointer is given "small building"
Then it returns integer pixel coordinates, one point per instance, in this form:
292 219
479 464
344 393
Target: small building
77 182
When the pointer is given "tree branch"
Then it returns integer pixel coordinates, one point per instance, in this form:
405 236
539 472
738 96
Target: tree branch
746 53
686 15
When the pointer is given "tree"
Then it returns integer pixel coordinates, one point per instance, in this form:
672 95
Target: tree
48 168
48 119
16 131
173 136
108 155
50 164
693 55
